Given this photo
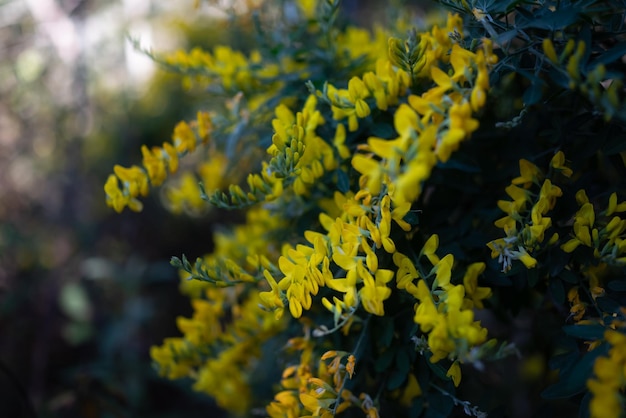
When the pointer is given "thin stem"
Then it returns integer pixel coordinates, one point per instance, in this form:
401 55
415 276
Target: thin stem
357 348
467 405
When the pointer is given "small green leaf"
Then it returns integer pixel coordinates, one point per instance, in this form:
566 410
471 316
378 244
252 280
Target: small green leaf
176 263
439 406
564 361
585 332
553 20
411 217
186 264
607 304
533 277
610 55
618 285
397 378
583 411
568 276
343 181
573 381
384 360
506 37
615 145
417 406
533 93
437 369
403 361
557 291
383 130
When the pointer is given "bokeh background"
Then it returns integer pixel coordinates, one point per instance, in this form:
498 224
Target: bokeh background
85 292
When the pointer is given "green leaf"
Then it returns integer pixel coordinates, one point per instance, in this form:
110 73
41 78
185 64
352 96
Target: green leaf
585 332
343 181
417 406
403 361
411 217
384 331
384 360
618 285
568 276
506 37
439 406
583 411
533 93
559 78
609 56
574 380
397 378
607 304
549 20
533 277
175 262
564 361
186 264
437 369
614 145
557 291
382 130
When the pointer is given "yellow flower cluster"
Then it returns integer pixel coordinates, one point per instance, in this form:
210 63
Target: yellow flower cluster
445 311
349 260
357 43
221 342
185 195
609 382
157 162
525 229
316 388
605 235
430 127
239 256
595 83
230 69
219 355
349 246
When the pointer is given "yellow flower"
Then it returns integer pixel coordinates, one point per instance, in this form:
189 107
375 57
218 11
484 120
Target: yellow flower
548 49
134 179
426 314
183 138
406 272
340 140
523 256
529 174
357 92
273 299
558 163
429 248
307 7
375 291
454 372
443 271
474 293
154 163
371 173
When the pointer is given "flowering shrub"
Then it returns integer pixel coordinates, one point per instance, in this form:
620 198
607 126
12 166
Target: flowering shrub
408 196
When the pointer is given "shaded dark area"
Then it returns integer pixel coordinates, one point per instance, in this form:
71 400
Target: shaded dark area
84 292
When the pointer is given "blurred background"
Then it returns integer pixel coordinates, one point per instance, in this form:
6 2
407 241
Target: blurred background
85 292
